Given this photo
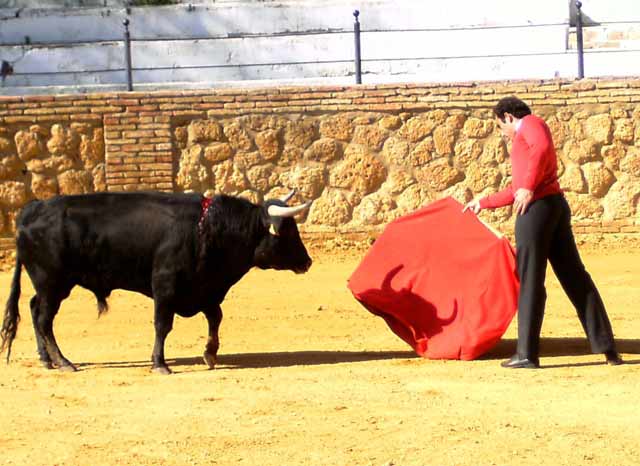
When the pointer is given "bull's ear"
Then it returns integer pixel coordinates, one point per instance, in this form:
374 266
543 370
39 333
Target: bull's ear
273 224
273 230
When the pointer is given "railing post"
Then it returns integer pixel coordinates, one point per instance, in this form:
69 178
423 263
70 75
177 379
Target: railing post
579 42
127 54
356 32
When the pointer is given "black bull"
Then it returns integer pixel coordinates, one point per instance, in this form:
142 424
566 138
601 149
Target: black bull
178 249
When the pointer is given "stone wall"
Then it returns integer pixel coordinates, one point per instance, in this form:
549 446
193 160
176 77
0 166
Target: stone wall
365 154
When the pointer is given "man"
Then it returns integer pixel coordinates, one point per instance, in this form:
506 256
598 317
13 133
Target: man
543 231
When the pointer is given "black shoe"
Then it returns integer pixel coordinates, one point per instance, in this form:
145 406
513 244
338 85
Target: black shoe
520 363
613 358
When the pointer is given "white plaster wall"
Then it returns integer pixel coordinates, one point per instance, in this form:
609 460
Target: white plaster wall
293 41
264 17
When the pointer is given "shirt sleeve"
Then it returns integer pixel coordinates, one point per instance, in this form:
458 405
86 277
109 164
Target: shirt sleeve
539 141
499 199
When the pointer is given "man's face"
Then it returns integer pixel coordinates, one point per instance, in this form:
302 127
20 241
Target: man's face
508 126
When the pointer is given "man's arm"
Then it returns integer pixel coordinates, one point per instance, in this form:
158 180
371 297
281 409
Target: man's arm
538 138
499 199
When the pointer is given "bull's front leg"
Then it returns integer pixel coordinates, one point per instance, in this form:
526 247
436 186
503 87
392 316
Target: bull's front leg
163 322
214 317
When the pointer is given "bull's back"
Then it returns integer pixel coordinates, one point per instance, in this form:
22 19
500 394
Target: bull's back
105 240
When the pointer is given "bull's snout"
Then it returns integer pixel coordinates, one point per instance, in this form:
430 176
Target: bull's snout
306 266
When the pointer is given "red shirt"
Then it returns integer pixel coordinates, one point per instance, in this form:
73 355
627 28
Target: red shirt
534 164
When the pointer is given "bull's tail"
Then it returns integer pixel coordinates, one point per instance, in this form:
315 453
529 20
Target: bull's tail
11 313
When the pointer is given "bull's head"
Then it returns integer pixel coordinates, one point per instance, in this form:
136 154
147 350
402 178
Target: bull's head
281 247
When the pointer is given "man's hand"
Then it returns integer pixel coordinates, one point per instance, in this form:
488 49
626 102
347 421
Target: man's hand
522 199
473 206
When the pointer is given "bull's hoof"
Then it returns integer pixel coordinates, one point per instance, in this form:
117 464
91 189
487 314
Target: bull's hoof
210 360
68 368
47 364
164 370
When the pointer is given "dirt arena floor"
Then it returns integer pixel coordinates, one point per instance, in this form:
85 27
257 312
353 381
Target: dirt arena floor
308 377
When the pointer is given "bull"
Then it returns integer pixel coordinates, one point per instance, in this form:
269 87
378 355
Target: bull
184 251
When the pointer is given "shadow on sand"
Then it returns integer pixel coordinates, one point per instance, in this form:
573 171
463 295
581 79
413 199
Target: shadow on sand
278 359
550 347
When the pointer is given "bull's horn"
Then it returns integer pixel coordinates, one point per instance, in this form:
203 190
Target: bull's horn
287 197
279 211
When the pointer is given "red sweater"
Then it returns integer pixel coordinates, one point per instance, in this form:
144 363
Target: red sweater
533 164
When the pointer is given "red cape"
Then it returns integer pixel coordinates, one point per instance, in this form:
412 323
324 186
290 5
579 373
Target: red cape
443 282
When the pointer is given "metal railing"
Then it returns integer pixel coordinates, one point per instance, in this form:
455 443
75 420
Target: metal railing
357 58
8 66
356 34
127 54
357 47
579 40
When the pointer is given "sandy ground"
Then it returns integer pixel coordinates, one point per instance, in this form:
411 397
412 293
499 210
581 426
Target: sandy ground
308 377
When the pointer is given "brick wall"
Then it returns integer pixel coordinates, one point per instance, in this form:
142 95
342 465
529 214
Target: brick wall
138 151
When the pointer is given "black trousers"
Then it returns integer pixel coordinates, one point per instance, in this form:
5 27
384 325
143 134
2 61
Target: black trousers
544 232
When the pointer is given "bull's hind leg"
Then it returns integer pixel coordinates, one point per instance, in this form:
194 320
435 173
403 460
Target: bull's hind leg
47 308
42 351
214 317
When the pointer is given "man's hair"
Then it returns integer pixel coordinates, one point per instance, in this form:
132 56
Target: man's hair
512 105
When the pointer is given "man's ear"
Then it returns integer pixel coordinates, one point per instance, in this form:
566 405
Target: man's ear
508 117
